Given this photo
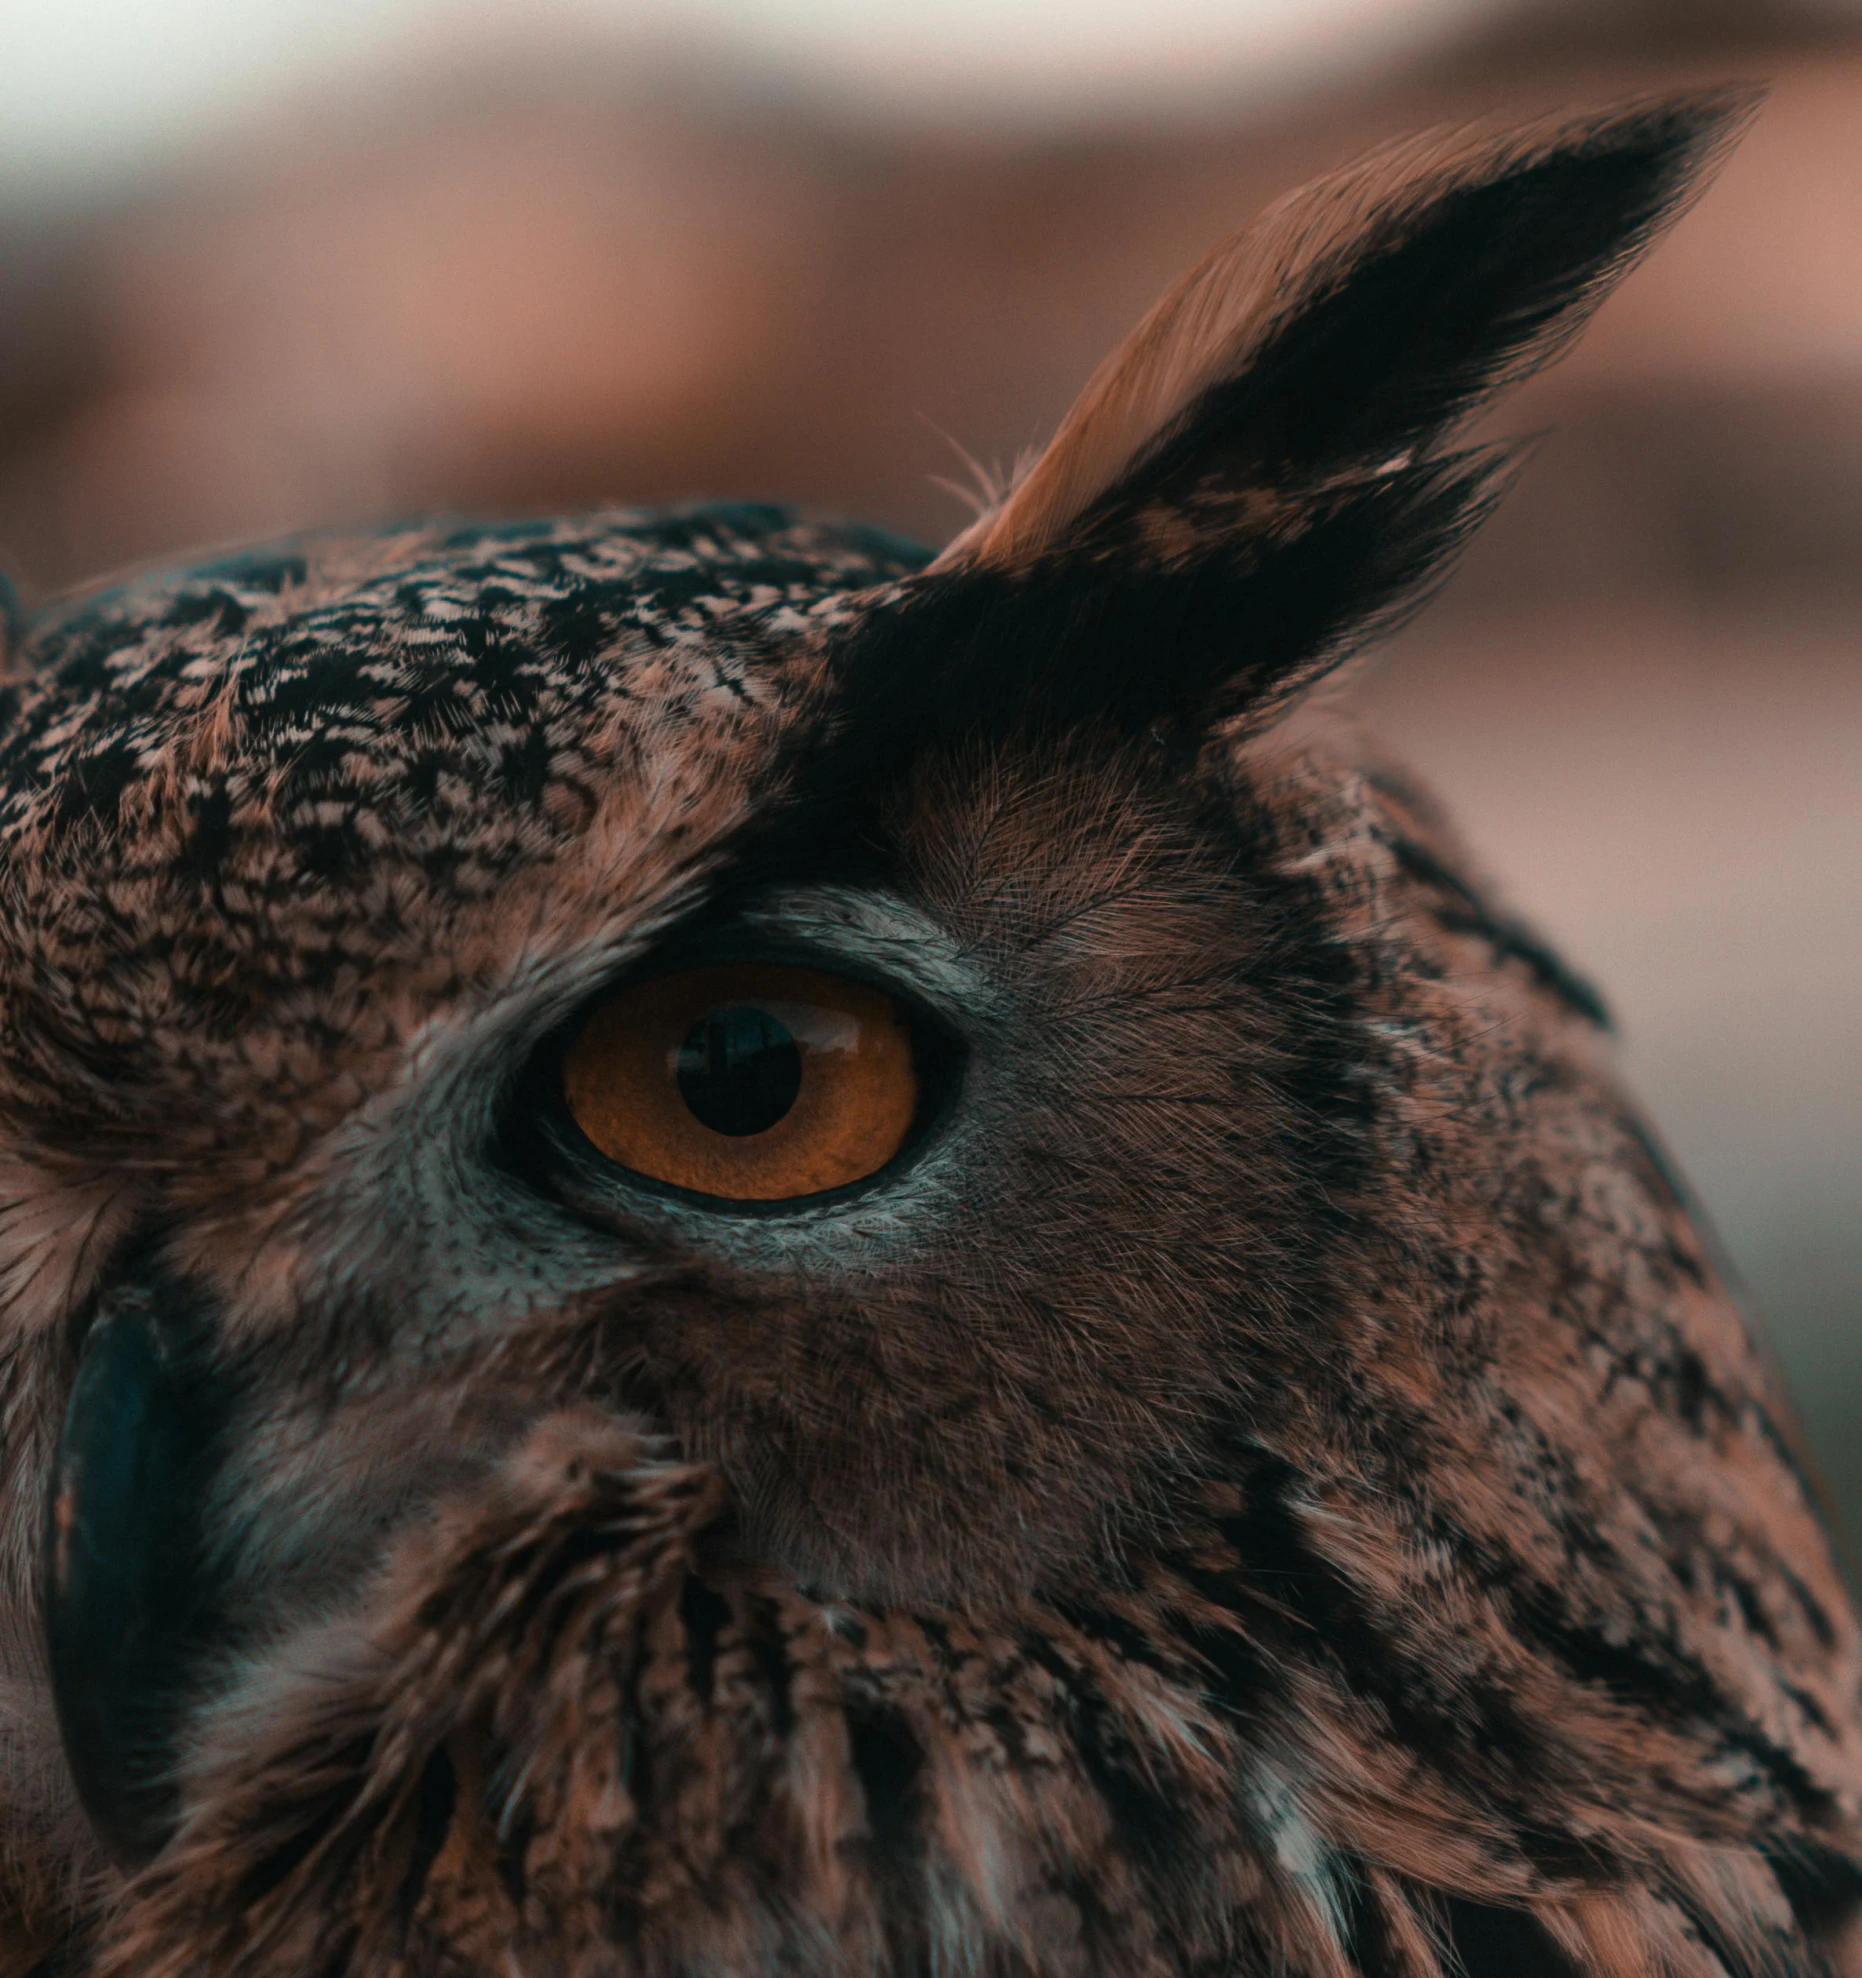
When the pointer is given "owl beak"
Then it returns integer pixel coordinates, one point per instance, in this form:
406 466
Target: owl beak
131 1609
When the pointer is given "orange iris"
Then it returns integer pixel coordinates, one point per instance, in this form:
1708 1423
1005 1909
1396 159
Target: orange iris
746 1080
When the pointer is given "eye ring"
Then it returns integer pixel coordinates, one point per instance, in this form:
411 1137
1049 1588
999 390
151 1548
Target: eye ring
752 1082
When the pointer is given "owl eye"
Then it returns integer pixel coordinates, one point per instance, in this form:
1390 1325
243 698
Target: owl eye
747 1080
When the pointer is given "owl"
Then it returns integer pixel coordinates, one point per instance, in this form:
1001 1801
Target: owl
731 1250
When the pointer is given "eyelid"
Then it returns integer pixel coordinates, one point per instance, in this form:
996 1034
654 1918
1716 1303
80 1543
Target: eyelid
882 937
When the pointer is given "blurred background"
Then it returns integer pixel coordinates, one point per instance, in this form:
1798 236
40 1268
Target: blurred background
271 263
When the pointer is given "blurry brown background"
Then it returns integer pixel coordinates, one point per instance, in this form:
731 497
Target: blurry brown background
501 272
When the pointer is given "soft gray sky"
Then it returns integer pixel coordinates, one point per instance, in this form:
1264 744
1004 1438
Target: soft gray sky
96 87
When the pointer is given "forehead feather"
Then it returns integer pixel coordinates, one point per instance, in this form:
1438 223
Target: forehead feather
243 795
395 658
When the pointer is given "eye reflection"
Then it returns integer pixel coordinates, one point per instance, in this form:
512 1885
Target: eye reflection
739 1070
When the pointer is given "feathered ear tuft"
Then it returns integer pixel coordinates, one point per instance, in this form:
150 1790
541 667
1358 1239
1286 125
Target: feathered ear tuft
1257 479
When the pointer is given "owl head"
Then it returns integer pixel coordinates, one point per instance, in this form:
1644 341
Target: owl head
968 1053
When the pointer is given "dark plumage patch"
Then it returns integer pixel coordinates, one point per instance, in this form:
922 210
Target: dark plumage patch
1460 909
1483 1940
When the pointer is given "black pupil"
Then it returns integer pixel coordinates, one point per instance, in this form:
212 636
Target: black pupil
739 1070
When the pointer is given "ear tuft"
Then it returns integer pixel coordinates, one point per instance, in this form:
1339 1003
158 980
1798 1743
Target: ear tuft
1263 476
1357 322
